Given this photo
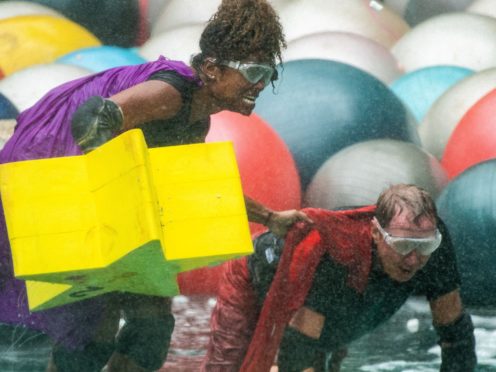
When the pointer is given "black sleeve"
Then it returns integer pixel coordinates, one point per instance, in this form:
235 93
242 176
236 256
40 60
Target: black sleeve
173 78
440 276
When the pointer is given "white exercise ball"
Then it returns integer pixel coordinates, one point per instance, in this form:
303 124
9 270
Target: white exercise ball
177 13
20 8
460 39
25 87
304 17
447 111
397 6
345 47
155 8
180 12
484 7
356 175
177 43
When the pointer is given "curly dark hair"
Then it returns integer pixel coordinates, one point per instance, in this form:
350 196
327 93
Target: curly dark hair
241 28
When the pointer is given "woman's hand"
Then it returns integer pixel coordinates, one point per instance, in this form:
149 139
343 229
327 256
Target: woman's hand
279 222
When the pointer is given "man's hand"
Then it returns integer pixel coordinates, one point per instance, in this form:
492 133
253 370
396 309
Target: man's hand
280 222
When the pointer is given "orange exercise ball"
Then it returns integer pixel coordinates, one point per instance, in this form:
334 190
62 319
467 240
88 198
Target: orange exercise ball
268 175
474 138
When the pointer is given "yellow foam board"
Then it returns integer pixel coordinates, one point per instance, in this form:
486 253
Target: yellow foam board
122 218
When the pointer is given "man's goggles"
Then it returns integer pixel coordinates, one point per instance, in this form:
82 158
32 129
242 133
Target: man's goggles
253 72
423 246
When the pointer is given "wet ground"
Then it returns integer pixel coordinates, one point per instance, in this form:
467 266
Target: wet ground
407 343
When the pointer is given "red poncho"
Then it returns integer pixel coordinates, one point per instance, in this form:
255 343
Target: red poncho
345 237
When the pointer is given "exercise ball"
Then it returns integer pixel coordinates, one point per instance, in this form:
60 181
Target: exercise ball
267 169
304 17
7 108
101 58
345 47
447 111
177 13
17 8
468 207
460 39
419 89
8 114
178 43
23 93
474 138
320 107
34 39
418 11
268 175
356 175
113 22
397 6
154 10
484 7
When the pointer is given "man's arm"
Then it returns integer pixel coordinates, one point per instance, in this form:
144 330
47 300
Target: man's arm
298 351
456 333
278 222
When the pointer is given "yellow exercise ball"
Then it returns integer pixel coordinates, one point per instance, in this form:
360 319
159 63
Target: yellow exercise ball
33 39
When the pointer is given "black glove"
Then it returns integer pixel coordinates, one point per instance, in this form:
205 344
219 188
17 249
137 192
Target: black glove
457 345
262 264
95 122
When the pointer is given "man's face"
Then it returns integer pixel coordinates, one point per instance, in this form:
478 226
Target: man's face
402 268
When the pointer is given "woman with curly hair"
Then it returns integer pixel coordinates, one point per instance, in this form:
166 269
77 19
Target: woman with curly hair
171 102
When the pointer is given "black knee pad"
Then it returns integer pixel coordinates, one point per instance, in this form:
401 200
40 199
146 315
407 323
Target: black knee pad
91 359
146 340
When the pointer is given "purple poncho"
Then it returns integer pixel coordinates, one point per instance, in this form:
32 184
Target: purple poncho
44 131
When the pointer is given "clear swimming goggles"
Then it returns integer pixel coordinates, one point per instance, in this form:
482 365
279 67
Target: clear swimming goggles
253 72
423 246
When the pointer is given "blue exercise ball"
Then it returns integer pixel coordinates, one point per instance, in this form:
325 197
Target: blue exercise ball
7 108
8 113
101 58
321 106
420 88
468 207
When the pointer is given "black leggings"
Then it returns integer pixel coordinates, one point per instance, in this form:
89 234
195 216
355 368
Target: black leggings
145 336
